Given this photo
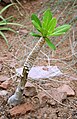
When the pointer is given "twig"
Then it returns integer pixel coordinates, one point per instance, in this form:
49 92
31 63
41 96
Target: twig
74 43
62 12
18 7
73 78
72 49
65 64
59 81
46 56
63 58
19 3
51 96
69 117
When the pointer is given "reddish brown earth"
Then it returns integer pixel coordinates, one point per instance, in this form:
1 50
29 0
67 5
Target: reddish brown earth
48 98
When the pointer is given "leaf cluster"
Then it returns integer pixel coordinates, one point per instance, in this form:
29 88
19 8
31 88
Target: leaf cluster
47 27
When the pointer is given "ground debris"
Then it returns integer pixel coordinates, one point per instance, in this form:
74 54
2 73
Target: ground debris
67 89
21 109
5 84
30 90
42 72
3 93
1 66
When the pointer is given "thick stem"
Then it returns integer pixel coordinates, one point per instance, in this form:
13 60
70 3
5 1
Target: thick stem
16 98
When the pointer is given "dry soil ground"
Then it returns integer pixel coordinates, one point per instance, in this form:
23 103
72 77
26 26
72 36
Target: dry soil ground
40 105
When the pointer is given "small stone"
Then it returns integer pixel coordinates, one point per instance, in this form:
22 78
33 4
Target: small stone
23 31
45 115
2 117
21 109
43 97
1 66
67 89
30 90
74 114
3 78
3 93
59 96
52 103
41 72
41 3
12 64
5 84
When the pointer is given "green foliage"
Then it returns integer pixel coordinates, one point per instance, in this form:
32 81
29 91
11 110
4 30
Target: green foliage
47 16
48 27
50 44
4 22
36 19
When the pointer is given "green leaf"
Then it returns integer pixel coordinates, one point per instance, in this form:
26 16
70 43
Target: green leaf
36 26
60 30
46 18
36 19
9 18
8 23
4 37
34 34
56 34
7 29
63 28
50 44
2 18
1 11
52 25
44 32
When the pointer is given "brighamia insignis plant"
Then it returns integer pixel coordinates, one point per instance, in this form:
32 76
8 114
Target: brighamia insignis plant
46 28
5 21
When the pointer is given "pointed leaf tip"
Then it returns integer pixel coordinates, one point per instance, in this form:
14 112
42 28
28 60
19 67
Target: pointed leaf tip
60 30
50 44
47 16
36 19
63 28
35 35
52 25
36 25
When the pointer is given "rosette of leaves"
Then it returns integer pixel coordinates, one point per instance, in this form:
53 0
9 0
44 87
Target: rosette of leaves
4 22
47 27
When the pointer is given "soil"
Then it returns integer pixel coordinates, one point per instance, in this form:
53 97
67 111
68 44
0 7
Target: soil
65 57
